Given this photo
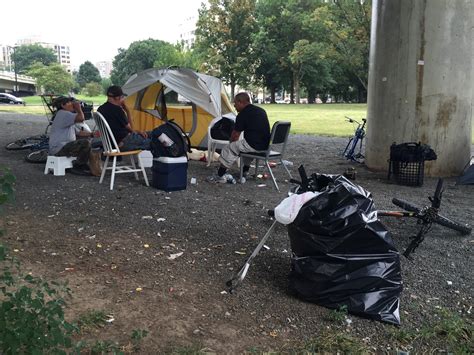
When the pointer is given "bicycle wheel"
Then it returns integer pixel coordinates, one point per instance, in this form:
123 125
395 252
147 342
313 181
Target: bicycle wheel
407 206
347 147
37 156
464 229
24 143
441 220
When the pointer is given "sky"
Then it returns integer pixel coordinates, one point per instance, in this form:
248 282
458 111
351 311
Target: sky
95 29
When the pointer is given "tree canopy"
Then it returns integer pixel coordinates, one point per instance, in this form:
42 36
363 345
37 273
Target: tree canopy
26 55
87 73
53 78
150 53
223 35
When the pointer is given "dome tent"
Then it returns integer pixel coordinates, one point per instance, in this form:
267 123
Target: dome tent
146 99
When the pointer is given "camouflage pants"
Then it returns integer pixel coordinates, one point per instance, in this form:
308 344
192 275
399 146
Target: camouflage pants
80 148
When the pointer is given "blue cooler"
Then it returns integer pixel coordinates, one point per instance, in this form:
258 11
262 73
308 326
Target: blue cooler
170 174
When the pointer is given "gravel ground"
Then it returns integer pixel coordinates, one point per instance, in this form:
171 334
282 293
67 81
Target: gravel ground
114 248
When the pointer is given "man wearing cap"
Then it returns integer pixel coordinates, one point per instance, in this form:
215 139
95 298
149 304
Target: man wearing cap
62 139
117 115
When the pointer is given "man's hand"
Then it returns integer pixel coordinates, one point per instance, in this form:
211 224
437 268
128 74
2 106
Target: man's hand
143 134
234 136
77 106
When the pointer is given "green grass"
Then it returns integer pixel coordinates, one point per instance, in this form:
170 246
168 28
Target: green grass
322 119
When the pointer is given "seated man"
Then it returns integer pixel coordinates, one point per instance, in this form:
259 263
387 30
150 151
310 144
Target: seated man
62 139
117 115
251 120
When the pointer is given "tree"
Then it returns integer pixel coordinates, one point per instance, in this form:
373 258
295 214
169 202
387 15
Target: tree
347 36
87 73
25 56
54 79
142 55
92 89
223 35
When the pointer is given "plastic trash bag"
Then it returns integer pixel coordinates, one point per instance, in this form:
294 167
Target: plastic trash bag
342 255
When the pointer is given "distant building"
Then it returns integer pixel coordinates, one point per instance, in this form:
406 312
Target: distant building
187 31
62 52
6 57
105 67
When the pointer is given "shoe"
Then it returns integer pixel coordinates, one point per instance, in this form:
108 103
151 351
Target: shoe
77 171
217 179
229 179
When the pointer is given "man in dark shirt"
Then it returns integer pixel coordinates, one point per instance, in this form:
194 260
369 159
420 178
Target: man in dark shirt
117 115
253 122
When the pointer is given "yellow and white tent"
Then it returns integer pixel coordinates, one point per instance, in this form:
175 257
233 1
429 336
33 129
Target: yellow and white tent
146 92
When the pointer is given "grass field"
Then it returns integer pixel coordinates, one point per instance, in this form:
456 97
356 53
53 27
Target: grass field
321 119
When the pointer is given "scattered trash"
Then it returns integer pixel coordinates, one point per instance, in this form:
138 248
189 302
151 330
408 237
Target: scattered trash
274 333
240 252
174 256
90 236
69 269
167 198
223 292
261 185
147 217
139 289
99 245
450 283
193 181
348 321
146 246
287 163
110 319
161 219
80 229
266 247
259 176
16 250
350 173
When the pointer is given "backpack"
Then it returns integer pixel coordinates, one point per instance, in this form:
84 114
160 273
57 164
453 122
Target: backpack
169 140
222 129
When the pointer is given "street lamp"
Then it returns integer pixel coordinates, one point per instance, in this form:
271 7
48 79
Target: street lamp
16 89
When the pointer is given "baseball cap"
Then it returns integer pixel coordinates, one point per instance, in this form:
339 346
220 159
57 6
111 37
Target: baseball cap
114 91
59 101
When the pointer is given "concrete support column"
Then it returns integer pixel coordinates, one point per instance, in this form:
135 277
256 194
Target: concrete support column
420 81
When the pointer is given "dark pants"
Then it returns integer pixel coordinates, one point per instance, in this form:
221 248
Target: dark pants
135 141
80 148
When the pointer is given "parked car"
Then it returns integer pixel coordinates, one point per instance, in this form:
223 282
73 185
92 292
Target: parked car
10 99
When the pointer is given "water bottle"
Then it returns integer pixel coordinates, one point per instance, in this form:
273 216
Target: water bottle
169 144
230 179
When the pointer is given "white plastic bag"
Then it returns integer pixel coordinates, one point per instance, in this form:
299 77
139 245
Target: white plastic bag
288 209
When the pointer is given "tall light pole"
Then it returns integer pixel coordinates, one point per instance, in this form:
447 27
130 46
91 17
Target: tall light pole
16 89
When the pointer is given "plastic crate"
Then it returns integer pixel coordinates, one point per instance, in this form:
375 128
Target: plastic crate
407 173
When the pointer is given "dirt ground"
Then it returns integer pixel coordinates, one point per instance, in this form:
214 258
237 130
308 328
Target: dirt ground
114 248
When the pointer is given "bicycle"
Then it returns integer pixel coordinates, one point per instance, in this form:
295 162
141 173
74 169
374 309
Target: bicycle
351 147
426 217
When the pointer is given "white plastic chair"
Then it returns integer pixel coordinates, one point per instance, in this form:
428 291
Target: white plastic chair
111 149
213 143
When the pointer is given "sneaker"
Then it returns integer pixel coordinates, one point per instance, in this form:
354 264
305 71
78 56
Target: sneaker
229 179
216 179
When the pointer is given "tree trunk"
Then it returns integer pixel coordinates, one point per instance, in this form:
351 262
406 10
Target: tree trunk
272 94
297 88
292 90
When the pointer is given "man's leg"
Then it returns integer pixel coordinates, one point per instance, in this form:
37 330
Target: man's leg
80 148
135 141
230 153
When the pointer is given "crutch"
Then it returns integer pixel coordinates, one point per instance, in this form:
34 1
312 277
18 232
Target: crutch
237 279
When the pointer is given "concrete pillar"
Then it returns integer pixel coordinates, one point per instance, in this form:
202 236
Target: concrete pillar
420 81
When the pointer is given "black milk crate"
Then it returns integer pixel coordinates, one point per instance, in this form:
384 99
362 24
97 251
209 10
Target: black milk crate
407 173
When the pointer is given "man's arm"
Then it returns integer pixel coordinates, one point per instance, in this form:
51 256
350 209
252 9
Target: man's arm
129 125
79 114
234 136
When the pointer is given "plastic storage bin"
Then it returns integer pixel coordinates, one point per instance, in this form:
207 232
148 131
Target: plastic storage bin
170 174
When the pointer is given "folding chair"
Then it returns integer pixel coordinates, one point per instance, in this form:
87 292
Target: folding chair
278 139
111 149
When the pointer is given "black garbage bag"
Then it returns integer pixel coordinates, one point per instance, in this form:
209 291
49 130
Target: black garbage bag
342 254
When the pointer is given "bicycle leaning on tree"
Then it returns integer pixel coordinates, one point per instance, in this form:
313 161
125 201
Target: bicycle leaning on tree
353 150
